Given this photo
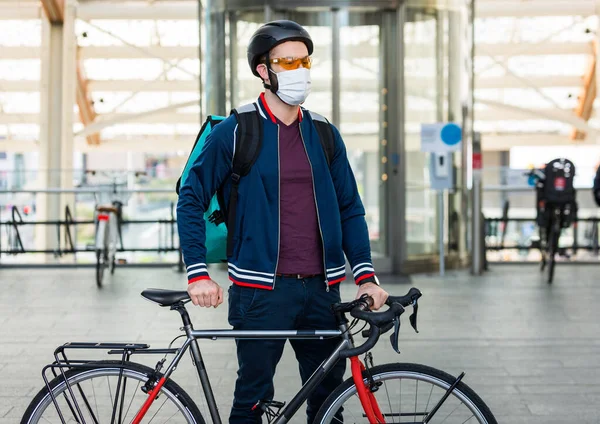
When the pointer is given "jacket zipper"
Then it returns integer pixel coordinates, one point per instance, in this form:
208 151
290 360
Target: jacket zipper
316 207
278 208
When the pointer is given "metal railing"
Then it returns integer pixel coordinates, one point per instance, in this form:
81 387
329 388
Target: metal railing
511 233
68 228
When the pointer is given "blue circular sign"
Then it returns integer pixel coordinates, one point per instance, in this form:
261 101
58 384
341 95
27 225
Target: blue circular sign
451 134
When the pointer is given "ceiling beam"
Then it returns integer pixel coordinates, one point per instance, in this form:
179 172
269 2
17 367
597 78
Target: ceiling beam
168 10
365 115
191 52
171 144
533 49
20 10
568 117
503 142
247 88
586 99
521 9
87 114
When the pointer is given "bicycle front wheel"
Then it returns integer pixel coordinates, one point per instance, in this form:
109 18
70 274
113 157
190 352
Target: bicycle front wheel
110 393
100 267
408 393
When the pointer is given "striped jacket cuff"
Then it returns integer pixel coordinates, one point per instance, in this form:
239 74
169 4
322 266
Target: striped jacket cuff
197 272
362 271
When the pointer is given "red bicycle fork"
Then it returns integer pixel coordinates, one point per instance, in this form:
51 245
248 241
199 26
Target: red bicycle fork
367 399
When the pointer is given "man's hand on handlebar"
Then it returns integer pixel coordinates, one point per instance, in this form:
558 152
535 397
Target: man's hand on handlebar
378 294
205 293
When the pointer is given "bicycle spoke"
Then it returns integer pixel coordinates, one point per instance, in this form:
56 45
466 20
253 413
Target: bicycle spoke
429 400
400 411
468 419
95 400
359 402
389 401
176 414
163 404
458 406
109 390
416 397
131 401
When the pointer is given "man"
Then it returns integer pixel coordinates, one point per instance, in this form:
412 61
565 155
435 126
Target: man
296 217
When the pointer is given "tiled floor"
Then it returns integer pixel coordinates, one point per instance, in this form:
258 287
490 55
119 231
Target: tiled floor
531 351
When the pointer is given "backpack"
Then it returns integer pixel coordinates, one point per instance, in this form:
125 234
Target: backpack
558 184
220 215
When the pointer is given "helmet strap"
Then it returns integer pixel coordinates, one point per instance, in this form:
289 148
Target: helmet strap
274 84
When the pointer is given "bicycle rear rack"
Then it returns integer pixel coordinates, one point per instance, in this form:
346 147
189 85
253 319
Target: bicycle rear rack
63 364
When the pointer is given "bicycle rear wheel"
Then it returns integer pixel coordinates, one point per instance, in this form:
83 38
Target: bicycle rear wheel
96 398
552 248
408 393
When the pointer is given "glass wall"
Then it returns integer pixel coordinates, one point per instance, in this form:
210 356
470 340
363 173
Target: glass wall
355 106
422 106
437 73
372 67
360 103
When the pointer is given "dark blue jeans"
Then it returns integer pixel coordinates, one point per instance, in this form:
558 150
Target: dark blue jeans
293 305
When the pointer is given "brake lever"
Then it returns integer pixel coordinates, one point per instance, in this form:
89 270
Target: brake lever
413 316
394 336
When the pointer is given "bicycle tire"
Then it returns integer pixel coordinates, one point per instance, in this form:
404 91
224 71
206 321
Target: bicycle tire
99 268
552 248
347 390
171 389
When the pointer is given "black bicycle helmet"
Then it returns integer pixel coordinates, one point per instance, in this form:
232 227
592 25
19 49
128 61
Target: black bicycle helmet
271 34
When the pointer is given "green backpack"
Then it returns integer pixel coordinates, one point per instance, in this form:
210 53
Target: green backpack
220 216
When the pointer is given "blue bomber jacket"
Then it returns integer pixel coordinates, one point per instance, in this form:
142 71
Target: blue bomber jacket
254 261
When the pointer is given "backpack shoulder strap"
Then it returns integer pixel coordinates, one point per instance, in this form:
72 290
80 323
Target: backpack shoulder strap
325 135
247 146
248 140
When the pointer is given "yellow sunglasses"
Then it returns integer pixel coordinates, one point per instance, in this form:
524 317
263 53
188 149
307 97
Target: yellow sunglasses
290 63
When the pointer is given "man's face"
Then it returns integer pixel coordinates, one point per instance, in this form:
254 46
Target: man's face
294 49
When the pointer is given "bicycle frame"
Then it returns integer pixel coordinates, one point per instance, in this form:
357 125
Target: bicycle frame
367 399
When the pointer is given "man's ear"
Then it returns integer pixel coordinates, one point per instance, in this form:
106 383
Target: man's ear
263 72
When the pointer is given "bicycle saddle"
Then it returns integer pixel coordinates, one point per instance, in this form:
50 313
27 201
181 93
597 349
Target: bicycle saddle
165 297
107 209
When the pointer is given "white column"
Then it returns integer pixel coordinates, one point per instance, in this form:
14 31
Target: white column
48 206
57 97
69 87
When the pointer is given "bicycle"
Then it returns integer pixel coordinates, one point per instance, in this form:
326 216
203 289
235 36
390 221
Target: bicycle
421 394
552 217
108 218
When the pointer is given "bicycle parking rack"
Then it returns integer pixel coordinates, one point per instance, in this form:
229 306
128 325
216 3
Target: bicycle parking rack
69 225
492 228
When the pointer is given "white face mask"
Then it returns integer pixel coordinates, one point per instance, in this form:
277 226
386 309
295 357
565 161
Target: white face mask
293 86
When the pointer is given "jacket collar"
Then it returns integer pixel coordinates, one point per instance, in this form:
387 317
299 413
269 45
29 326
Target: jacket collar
265 111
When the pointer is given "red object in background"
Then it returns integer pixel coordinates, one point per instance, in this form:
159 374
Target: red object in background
26 210
560 183
477 161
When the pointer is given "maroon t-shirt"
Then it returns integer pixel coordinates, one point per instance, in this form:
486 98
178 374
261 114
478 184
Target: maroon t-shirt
300 250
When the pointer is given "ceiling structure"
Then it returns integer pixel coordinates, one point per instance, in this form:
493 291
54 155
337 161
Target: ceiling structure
138 66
